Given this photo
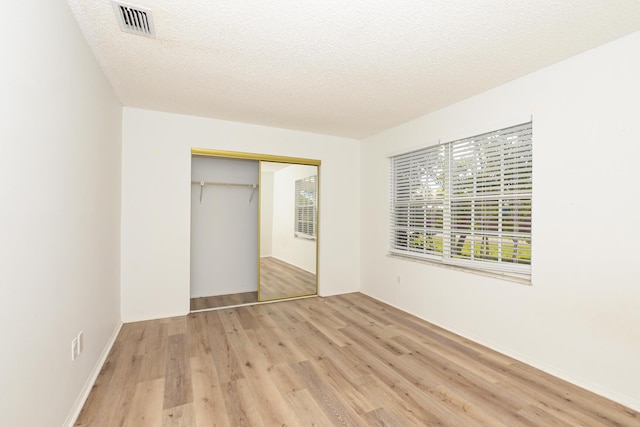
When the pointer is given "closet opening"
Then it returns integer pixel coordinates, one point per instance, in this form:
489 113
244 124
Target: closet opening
254 228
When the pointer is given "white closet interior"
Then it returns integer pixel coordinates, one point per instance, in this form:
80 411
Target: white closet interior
224 226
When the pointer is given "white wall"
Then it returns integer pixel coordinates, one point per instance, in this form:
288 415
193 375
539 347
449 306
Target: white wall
580 319
59 221
224 227
286 246
156 159
266 213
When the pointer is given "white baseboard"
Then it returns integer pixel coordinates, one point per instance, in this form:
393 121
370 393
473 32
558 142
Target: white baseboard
84 393
615 396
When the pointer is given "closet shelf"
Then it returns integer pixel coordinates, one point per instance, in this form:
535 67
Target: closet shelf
253 187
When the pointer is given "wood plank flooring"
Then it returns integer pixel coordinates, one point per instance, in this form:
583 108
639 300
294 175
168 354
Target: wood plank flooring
345 360
279 279
203 303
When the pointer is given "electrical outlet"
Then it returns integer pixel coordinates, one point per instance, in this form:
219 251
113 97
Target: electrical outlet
77 345
80 342
74 349
398 279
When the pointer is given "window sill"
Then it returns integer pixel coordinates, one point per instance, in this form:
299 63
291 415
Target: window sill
304 237
495 275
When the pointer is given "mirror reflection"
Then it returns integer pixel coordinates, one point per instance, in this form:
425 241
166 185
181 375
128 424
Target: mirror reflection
288 230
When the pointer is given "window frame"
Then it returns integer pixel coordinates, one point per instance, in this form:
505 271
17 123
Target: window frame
466 203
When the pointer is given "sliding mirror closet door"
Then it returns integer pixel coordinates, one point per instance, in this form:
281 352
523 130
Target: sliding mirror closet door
288 230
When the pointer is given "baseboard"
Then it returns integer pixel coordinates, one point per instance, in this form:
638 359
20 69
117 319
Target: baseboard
84 393
126 320
583 383
625 400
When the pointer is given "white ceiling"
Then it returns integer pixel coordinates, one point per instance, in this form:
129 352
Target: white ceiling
349 68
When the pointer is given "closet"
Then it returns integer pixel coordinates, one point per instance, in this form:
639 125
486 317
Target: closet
254 228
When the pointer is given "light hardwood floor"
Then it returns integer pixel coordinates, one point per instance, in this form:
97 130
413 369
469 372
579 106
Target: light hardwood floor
346 360
278 279
218 301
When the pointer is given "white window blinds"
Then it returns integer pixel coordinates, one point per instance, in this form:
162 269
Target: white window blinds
306 207
467 202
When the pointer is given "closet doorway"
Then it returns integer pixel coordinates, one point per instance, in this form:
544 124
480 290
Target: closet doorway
224 232
254 228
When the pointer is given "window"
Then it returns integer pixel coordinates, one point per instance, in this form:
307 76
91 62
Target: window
466 202
306 207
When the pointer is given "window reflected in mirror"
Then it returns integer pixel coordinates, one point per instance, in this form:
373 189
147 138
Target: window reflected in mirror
306 207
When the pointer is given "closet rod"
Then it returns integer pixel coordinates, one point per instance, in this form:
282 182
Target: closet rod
229 184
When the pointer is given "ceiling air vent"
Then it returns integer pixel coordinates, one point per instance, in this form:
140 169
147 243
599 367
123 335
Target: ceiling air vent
134 19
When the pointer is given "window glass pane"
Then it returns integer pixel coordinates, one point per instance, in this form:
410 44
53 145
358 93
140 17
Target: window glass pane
306 206
467 200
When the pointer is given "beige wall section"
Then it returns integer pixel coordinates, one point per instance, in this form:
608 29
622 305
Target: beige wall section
156 203
59 216
286 247
266 213
580 318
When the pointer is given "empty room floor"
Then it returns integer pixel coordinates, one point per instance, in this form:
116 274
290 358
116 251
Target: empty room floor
346 360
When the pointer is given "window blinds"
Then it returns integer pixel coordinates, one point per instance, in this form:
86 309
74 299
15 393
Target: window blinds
306 207
467 202
418 198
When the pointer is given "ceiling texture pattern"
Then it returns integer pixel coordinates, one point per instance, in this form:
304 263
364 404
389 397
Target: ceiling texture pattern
346 68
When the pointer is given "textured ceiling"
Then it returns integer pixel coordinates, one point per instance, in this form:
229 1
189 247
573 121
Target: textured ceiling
348 68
